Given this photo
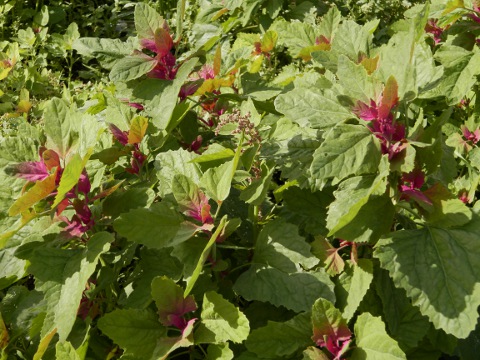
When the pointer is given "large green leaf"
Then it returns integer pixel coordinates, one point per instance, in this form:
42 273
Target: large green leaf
106 51
70 177
168 164
354 214
277 275
60 126
296 291
352 40
152 263
439 269
279 246
355 80
221 321
347 150
156 227
311 107
132 67
61 275
461 68
306 209
161 107
135 331
294 35
147 21
404 321
360 283
66 351
279 339
373 342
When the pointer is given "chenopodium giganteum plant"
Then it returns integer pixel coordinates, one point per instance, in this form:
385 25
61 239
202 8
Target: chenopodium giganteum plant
305 190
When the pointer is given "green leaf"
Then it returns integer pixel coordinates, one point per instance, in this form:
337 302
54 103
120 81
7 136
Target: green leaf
155 227
66 351
347 150
400 67
122 201
106 51
404 321
256 192
219 352
310 107
218 181
461 68
296 291
280 339
70 177
328 324
168 297
204 255
355 80
306 208
132 67
439 269
135 331
147 21
351 40
354 214
61 275
294 35
60 126
168 164
161 107
361 280
279 245
373 341
221 321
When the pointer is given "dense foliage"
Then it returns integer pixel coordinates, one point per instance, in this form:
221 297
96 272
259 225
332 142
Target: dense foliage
260 179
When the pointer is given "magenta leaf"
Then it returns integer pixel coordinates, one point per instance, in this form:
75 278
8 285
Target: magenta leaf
30 170
171 304
330 330
366 112
121 136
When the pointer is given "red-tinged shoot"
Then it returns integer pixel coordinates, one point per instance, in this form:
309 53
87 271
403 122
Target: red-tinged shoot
335 339
410 187
161 45
435 30
126 138
174 314
379 114
473 137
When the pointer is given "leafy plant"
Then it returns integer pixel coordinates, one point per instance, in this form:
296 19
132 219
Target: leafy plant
248 186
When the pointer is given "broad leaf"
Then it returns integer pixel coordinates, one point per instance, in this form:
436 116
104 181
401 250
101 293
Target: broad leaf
296 291
311 107
439 270
171 304
330 329
62 276
404 321
360 283
221 321
156 227
373 341
106 51
347 150
279 339
132 67
162 106
461 68
60 126
147 21
135 331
